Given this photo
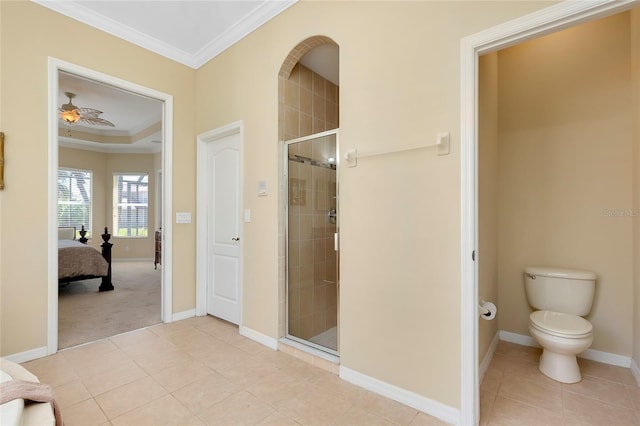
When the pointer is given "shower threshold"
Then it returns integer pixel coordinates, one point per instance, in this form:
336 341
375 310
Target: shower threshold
328 338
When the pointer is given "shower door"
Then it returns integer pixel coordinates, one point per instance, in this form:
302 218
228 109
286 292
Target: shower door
312 256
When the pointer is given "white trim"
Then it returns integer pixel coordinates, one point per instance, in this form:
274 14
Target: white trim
591 354
54 67
167 209
606 358
52 203
179 316
132 259
201 210
433 408
256 336
486 361
550 19
260 15
635 370
469 383
29 355
519 339
314 352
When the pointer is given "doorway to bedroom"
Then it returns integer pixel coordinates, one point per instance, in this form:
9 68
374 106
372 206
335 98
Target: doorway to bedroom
108 175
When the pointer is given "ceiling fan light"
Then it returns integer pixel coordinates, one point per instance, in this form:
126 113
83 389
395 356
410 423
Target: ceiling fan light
70 116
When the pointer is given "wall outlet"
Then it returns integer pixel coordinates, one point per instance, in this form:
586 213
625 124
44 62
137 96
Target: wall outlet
183 217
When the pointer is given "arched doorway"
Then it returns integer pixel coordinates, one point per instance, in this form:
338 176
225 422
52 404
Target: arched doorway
308 208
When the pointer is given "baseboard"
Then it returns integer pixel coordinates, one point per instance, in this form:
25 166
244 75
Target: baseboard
606 358
256 336
635 370
591 354
518 339
28 355
434 408
132 259
486 361
183 315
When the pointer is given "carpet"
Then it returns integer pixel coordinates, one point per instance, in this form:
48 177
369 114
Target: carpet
86 315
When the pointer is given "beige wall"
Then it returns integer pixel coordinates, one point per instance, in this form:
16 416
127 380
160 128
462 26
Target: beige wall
565 171
28 35
487 195
400 214
103 166
400 282
635 72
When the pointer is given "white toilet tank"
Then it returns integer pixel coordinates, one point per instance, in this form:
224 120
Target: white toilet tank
568 291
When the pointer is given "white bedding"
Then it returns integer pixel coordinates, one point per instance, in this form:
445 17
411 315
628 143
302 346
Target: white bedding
10 412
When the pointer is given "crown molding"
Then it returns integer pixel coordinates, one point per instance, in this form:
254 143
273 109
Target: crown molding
259 16
251 22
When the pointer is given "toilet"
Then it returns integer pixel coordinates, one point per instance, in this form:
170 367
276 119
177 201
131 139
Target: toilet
561 298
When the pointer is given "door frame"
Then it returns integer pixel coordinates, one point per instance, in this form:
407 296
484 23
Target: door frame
554 18
202 190
285 172
54 67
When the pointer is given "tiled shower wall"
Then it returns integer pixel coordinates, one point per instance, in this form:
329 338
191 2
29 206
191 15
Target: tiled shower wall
312 258
309 105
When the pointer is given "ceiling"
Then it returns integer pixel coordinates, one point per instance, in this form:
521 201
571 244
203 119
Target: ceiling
191 32
137 119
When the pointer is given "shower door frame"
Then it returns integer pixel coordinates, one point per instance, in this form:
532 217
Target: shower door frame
286 238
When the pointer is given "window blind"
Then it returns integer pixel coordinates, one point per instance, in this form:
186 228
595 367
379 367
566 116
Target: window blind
74 199
131 205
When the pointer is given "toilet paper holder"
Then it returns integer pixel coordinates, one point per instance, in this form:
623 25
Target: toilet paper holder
487 310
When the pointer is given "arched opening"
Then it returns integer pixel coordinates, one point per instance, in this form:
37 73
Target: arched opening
308 122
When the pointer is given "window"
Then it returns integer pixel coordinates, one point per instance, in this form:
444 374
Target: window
131 205
74 199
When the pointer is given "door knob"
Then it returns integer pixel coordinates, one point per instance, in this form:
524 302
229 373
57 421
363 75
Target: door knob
235 239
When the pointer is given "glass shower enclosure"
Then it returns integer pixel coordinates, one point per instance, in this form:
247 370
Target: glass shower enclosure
312 255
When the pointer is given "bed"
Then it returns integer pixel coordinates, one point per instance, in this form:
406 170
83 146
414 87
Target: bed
78 261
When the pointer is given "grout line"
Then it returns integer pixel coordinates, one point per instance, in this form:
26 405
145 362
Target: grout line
611 404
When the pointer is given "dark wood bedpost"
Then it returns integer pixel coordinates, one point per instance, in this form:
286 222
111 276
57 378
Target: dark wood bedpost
83 239
106 253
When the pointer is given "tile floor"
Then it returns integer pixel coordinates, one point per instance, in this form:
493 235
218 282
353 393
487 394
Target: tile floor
515 392
200 371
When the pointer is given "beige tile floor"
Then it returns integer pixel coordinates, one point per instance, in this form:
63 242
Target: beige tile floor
515 392
200 371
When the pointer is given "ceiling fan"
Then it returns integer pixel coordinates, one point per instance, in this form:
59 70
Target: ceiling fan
71 114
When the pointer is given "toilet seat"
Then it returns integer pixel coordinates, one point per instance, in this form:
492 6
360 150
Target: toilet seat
561 325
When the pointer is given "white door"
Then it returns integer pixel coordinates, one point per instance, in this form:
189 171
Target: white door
223 228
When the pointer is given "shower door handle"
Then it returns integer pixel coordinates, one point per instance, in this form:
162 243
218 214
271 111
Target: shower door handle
336 241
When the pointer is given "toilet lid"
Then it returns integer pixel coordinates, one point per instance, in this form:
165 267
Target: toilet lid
565 325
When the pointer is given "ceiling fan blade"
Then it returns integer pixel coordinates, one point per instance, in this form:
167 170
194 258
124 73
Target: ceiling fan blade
97 121
89 112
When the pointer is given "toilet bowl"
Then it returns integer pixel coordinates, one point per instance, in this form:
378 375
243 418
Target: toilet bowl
562 337
561 298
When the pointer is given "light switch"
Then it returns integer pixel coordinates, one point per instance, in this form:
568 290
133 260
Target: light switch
262 188
183 217
247 215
